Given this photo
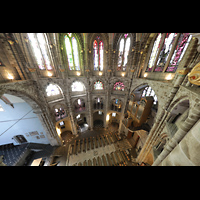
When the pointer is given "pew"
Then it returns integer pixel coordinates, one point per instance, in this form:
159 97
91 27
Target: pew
83 145
92 144
99 140
99 163
94 162
104 161
89 162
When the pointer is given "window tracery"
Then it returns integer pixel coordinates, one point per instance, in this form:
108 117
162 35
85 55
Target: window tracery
164 53
154 52
181 47
98 85
119 86
72 51
123 52
98 47
40 49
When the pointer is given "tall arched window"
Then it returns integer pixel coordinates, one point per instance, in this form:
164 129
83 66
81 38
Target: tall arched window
181 47
98 54
124 47
72 51
164 53
41 51
154 52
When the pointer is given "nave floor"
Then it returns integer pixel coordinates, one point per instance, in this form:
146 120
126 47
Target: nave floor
101 148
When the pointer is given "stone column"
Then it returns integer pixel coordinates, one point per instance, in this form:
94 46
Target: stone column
90 114
159 122
70 112
192 118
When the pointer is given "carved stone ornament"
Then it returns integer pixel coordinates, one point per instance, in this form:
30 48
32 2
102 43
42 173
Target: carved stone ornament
194 75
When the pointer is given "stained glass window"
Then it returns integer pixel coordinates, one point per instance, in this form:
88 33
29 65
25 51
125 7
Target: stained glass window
166 48
98 85
39 45
72 52
77 86
119 86
124 47
98 54
154 52
181 47
52 90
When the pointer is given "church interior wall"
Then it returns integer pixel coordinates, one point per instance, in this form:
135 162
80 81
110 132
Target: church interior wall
171 90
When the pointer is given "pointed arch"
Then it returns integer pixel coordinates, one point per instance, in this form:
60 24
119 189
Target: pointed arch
39 44
72 51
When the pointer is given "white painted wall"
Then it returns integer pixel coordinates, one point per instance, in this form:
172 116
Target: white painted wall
11 123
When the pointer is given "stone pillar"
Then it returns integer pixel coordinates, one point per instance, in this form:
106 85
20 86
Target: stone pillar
192 118
159 122
71 116
90 114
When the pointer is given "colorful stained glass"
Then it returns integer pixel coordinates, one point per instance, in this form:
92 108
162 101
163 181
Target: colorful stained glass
154 52
101 56
181 47
36 50
98 85
95 49
119 86
75 49
166 48
98 54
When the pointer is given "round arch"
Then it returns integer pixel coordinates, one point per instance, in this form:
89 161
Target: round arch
37 105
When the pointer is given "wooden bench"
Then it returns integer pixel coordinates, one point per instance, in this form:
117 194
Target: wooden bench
95 141
99 140
85 163
83 145
89 162
109 160
74 150
91 142
114 159
94 162
118 158
79 146
88 147
104 144
99 163
104 161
